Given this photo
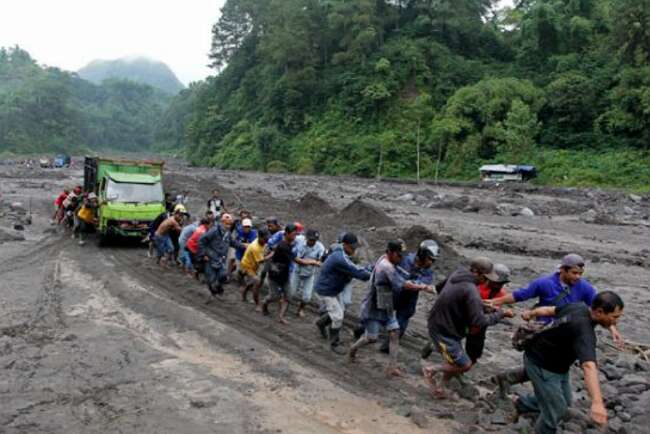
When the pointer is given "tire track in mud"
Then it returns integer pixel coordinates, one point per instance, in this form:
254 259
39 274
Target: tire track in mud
43 249
299 341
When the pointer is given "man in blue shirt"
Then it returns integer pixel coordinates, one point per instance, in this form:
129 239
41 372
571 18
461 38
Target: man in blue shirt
308 257
337 271
561 288
245 234
415 267
379 308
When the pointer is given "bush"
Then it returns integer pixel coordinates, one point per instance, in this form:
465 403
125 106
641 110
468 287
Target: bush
276 166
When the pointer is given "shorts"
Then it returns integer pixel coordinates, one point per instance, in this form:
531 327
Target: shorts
451 350
373 326
248 279
163 245
279 289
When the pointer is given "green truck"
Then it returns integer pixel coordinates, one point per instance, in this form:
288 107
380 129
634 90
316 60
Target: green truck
130 195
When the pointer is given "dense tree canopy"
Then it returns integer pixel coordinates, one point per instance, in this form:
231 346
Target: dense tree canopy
46 109
358 87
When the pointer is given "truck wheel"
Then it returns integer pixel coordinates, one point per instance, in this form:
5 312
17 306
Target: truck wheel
103 240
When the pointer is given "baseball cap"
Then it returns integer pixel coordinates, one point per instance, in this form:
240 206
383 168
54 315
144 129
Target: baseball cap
247 223
290 228
299 227
273 220
502 272
350 238
572 260
484 266
180 208
92 196
396 246
312 234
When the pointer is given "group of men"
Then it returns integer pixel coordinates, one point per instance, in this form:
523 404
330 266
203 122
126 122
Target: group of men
77 211
288 259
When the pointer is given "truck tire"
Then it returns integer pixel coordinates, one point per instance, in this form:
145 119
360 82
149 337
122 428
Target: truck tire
103 240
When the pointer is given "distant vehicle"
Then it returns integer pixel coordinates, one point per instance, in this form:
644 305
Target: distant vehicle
507 173
45 163
62 160
130 195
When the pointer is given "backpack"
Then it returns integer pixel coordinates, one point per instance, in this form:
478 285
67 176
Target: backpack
526 333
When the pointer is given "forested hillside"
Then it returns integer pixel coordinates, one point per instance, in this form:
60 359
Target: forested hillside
337 86
46 110
138 69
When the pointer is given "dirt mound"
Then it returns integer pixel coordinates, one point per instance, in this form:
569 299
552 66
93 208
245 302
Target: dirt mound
314 204
449 258
360 213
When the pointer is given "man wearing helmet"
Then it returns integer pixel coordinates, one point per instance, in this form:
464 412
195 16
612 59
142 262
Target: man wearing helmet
415 267
213 248
162 238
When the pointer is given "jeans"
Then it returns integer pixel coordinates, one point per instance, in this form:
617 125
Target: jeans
552 397
185 258
304 285
216 275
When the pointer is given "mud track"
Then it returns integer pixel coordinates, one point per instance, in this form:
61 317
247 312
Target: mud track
298 341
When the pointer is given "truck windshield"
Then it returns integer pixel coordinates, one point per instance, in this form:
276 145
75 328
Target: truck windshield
133 193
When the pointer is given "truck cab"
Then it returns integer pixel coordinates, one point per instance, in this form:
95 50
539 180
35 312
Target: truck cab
130 195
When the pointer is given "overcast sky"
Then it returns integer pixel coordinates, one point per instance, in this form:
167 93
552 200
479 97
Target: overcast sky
71 33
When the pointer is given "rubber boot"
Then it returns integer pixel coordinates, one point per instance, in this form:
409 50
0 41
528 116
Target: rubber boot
385 345
426 351
335 342
508 378
323 322
359 330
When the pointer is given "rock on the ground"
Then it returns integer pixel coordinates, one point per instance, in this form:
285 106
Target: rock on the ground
635 198
406 197
419 418
526 212
6 236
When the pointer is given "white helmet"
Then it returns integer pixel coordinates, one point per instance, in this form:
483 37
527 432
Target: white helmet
429 248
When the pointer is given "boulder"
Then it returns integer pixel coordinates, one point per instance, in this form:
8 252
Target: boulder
405 197
526 212
635 198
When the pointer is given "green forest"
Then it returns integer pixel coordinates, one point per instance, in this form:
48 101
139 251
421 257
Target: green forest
359 87
45 109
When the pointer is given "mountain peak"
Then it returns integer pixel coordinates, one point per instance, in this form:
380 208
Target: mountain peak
140 69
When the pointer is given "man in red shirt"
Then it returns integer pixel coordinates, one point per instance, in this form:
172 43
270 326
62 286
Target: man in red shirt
193 246
58 206
489 289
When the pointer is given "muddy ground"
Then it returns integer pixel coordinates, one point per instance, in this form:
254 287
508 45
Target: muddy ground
99 339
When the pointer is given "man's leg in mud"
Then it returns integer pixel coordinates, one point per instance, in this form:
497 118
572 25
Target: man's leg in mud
284 305
362 342
272 296
509 378
393 367
403 325
456 362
